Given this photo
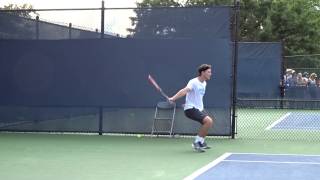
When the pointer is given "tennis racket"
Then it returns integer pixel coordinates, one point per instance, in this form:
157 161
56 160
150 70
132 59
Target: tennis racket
155 84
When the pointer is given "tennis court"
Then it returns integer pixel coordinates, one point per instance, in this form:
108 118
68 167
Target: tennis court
65 156
260 166
131 156
297 121
84 104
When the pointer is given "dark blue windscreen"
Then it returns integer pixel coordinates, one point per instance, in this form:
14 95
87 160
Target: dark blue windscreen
110 72
259 70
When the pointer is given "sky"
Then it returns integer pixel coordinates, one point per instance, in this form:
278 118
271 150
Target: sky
116 21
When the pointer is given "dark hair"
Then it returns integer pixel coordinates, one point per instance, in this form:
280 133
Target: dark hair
203 67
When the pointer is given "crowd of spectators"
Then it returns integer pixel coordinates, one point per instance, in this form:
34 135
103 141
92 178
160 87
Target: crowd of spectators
294 79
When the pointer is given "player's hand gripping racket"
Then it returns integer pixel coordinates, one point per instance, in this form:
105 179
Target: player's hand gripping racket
155 84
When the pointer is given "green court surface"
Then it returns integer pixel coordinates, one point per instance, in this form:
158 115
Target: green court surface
83 157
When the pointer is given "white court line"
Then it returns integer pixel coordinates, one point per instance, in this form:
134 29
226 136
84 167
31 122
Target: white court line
208 166
265 154
278 121
273 162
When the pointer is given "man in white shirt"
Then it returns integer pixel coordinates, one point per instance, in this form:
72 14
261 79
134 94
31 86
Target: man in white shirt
193 109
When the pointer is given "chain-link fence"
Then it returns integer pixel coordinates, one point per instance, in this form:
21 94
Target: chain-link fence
304 64
278 119
89 23
293 114
15 26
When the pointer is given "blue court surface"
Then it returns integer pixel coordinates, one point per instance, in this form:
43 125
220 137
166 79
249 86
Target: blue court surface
242 166
297 121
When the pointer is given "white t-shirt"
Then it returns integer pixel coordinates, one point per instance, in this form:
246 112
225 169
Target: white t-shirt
195 95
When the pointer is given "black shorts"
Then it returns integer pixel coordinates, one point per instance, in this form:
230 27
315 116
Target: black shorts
196 114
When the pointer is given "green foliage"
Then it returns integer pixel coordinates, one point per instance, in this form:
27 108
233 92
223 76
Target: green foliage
296 24
26 13
158 3
207 2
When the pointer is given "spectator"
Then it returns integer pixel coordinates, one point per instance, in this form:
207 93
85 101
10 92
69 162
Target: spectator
289 78
306 77
312 86
313 80
300 81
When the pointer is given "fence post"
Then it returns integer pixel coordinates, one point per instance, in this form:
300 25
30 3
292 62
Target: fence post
70 29
282 73
100 120
234 68
102 20
37 27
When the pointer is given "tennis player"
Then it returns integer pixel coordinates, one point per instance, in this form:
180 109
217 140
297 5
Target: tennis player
193 109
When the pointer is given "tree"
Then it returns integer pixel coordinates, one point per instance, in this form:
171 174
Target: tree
27 7
296 23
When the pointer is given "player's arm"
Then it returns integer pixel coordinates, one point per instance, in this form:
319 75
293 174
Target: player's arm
180 94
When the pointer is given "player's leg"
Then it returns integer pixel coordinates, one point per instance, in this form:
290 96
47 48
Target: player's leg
207 123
